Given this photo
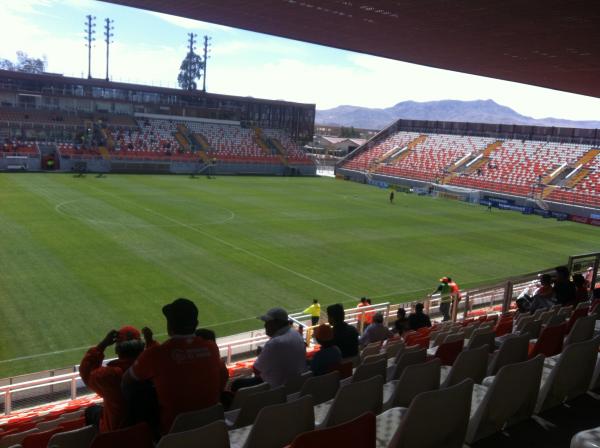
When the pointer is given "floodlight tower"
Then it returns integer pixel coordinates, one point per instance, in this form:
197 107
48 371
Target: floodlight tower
89 31
207 45
192 43
108 34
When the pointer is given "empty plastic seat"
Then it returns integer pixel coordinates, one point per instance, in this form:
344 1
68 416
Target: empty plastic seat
196 419
213 435
357 433
138 436
582 330
76 438
252 405
571 375
513 349
469 364
509 399
414 379
448 351
412 427
353 400
243 393
408 358
321 388
278 425
550 342
482 337
370 369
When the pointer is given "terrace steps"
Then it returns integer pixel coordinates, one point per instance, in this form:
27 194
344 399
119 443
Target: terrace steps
397 158
259 139
578 177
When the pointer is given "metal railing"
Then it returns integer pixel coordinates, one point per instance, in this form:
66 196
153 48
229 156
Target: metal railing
484 298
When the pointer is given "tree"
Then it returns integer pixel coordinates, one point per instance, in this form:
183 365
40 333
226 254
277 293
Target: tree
25 63
349 132
190 71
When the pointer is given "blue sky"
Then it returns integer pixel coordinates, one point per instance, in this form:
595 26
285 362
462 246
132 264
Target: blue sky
149 47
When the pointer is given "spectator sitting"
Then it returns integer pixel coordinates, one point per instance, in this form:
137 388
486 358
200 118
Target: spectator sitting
375 332
329 354
582 292
106 380
185 369
344 336
564 288
418 319
543 296
401 324
283 356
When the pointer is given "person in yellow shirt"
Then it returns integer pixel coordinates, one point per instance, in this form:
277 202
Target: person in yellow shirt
315 312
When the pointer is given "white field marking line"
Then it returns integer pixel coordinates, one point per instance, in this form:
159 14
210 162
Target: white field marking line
67 350
58 209
233 246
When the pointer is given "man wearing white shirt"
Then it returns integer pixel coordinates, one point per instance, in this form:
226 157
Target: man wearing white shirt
283 356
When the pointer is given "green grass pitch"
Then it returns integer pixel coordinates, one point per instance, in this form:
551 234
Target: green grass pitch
80 256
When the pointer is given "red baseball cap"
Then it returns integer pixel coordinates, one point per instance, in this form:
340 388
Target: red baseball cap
128 333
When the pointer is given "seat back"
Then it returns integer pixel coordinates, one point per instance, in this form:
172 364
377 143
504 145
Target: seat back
513 349
511 398
439 338
371 369
414 380
138 436
546 316
321 388
354 399
565 311
557 319
577 314
357 433
373 358
408 358
50 424
469 364
14 439
571 375
468 330
582 330
449 408
242 394
371 349
448 351
213 435
482 337
504 326
73 439
196 419
344 368
393 349
254 403
533 328
294 384
39 439
276 426
550 342
524 320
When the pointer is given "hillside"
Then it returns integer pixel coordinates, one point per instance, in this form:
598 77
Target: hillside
479 111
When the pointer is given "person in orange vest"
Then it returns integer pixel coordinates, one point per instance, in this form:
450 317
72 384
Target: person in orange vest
361 317
369 314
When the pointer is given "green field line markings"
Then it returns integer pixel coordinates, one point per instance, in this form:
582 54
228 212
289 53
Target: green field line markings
229 244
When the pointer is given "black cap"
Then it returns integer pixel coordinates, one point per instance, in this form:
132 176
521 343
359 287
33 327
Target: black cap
182 313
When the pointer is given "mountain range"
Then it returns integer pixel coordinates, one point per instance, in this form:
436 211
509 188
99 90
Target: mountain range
478 111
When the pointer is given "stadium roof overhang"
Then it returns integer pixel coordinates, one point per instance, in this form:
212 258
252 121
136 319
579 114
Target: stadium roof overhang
549 43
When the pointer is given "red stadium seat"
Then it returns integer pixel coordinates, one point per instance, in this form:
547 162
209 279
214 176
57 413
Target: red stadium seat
449 351
138 436
357 433
550 342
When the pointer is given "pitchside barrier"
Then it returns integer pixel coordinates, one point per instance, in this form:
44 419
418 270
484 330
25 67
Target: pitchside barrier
21 392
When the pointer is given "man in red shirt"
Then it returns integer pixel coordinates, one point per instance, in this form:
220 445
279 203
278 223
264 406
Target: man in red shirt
106 380
185 370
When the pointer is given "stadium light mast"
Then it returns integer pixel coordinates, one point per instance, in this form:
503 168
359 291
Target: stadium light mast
207 45
89 31
108 34
192 44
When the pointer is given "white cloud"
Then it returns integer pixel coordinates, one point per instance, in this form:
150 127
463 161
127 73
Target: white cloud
189 24
291 71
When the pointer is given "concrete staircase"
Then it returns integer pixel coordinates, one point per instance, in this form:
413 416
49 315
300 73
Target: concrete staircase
259 139
396 154
578 173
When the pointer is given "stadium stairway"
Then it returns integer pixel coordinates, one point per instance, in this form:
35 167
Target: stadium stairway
259 139
482 158
395 155
580 167
181 136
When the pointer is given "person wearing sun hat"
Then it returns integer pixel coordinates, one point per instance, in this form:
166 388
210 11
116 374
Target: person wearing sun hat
329 355
106 380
